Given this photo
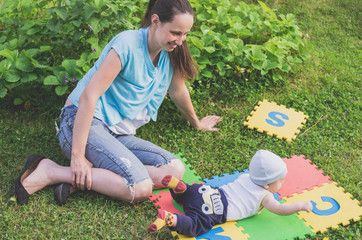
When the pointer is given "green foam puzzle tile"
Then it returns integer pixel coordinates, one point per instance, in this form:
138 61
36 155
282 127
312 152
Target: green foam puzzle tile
274 226
190 175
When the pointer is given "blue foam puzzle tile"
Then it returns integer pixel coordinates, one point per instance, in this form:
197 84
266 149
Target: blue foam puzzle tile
226 178
277 196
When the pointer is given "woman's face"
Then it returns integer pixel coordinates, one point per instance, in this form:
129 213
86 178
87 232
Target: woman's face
169 35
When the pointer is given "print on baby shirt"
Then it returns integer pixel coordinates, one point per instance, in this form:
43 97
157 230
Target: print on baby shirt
212 200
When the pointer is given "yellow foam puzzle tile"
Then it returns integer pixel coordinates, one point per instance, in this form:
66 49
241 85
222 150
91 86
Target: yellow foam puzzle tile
332 206
276 120
228 229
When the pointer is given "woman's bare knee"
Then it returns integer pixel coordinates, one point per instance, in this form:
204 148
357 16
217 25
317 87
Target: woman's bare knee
142 190
175 168
178 168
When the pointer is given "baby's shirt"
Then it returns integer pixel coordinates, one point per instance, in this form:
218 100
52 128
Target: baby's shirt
244 198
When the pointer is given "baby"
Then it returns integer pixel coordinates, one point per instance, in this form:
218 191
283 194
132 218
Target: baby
206 206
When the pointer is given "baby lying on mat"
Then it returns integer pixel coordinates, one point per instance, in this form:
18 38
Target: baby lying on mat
206 206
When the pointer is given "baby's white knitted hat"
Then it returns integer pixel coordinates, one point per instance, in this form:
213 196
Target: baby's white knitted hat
266 167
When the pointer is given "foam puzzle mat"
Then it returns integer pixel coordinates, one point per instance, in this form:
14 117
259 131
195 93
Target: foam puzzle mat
274 119
304 182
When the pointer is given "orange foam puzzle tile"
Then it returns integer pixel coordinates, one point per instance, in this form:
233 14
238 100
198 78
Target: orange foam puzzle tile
225 231
165 202
302 175
332 206
276 120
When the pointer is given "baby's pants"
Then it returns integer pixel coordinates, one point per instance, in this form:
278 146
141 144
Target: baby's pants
204 207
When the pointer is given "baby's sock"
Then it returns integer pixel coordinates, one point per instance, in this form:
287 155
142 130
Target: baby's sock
164 218
175 184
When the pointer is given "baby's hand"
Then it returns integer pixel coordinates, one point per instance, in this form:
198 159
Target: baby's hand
307 206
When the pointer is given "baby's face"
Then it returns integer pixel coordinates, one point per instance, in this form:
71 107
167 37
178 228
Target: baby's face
275 186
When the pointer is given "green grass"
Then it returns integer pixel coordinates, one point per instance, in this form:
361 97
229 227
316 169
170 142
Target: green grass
326 88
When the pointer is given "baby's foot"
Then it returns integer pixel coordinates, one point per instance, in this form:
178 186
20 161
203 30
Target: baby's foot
164 218
175 184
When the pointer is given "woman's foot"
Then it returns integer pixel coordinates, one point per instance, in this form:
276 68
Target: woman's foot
62 192
40 177
22 194
164 218
175 184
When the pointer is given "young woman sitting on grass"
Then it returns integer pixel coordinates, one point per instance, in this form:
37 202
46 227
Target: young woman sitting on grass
122 92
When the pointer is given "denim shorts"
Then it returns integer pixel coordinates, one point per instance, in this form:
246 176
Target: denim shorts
125 155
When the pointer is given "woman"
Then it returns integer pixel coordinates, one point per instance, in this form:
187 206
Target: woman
122 92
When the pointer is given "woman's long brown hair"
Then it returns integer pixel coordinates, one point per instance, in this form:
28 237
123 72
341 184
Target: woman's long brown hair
181 58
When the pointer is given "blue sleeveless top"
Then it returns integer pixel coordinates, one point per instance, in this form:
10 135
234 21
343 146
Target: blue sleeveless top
138 85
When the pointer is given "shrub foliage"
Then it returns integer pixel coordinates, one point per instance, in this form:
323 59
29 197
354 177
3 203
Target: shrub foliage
51 44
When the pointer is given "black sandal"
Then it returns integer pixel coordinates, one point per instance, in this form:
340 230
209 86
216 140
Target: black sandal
61 193
22 196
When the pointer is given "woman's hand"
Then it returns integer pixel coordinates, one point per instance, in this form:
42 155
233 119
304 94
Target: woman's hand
81 173
207 123
181 97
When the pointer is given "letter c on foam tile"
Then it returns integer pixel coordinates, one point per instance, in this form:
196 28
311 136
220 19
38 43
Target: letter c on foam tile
276 122
326 212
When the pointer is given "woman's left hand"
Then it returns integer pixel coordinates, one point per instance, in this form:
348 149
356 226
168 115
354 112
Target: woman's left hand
207 123
181 97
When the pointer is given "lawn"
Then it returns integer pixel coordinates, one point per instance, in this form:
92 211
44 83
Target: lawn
326 87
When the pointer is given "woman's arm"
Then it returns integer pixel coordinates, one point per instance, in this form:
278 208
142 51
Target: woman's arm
99 83
270 203
181 97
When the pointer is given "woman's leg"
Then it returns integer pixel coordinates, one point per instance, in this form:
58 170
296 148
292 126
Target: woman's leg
112 161
175 167
157 160
104 181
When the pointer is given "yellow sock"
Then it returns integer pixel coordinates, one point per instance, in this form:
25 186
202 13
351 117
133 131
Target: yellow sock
164 218
173 183
160 223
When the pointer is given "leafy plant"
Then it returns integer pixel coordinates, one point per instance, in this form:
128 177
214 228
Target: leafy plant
241 42
54 43
51 44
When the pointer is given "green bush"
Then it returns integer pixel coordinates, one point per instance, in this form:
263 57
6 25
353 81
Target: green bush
52 44
239 42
